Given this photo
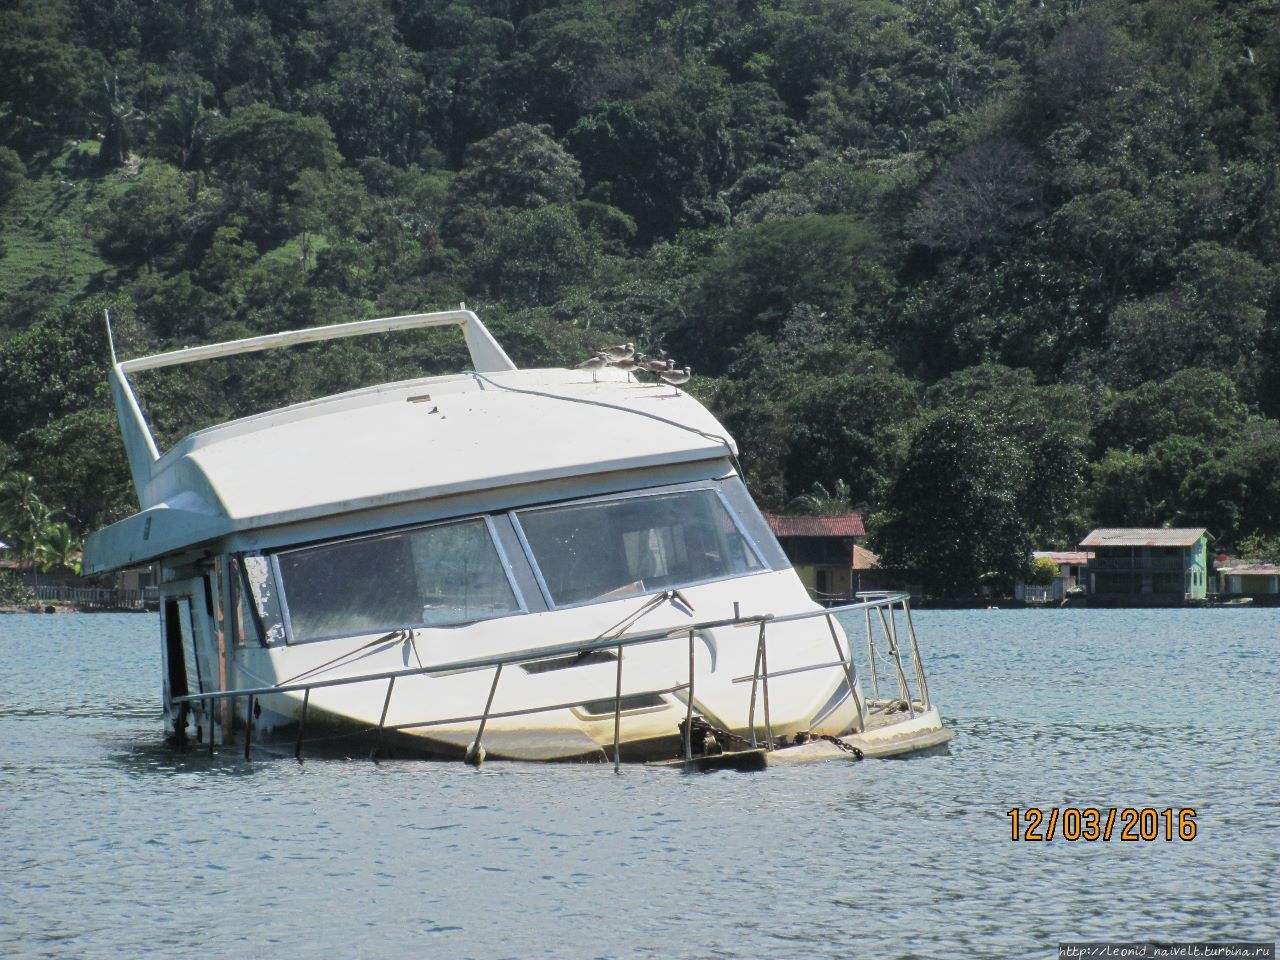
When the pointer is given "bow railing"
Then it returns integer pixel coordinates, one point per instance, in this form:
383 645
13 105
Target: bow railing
884 642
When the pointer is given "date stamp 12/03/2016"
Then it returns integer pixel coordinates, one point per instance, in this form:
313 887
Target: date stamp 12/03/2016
1128 824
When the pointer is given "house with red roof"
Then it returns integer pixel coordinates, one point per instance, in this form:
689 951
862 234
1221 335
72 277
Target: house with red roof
826 553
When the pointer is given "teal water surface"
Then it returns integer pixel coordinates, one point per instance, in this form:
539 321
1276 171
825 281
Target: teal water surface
115 846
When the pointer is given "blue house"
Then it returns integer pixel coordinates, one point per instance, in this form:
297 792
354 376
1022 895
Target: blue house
1146 566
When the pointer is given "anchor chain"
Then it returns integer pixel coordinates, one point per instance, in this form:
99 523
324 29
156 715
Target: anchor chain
844 745
708 739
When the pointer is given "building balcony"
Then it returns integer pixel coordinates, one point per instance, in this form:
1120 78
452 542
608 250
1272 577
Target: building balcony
1138 564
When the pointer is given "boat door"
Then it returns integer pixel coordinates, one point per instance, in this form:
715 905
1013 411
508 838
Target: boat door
185 652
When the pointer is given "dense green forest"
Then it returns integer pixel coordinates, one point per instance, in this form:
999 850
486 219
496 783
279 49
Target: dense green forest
994 272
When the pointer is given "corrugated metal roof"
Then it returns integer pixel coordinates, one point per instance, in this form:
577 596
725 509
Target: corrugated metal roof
1064 556
839 525
1252 570
1143 537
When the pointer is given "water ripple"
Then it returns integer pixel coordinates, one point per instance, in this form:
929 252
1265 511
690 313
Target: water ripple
117 846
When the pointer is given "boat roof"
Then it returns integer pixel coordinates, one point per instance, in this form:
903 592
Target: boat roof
404 442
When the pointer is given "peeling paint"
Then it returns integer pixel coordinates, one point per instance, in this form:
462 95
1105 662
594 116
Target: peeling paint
258 571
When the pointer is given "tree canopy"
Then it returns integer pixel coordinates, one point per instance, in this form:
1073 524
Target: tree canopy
1019 254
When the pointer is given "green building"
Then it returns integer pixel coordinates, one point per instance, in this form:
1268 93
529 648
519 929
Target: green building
1147 566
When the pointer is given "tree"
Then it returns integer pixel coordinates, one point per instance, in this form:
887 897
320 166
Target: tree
820 501
830 263
57 366
572 60
151 222
374 103
531 256
259 152
1238 492
664 157
1213 317
13 174
850 427
519 168
183 124
78 461
1193 403
1120 241
1043 571
117 117
24 515
953 515
980 201
1087 61
58 548
43 73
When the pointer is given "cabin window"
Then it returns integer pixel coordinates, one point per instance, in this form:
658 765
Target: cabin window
433 576
606 550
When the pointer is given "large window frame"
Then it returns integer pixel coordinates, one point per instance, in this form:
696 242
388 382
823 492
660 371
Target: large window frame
504 560
530 572
735 519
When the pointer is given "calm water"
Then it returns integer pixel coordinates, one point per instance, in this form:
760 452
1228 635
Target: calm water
113 846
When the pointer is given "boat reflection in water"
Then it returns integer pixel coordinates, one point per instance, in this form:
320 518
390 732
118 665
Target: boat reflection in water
520 564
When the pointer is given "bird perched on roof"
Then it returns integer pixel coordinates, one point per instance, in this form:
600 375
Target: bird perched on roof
676 377
626 365
659 366
621 351
594 364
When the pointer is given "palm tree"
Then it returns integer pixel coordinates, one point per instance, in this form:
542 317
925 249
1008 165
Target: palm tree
184 125
24 516
59 548
820 500
117 117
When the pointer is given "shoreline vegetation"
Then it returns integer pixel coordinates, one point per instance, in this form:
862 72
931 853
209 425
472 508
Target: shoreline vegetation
992 274
53 608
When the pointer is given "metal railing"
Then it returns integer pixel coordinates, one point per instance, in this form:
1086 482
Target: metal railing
99 596
886 607
1040 592
1138 564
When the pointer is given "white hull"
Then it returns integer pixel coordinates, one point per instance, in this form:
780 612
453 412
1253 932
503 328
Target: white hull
518 725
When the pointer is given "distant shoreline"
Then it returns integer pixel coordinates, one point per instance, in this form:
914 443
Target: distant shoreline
56 608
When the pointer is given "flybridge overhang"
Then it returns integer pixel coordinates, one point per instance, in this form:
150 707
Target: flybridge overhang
140 445
490 429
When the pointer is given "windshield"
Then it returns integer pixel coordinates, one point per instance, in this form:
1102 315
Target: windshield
623 548
432 576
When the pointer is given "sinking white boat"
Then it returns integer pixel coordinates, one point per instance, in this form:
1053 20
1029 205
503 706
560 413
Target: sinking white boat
522 564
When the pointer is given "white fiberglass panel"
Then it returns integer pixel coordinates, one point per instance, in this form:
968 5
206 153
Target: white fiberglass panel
626 547
432 576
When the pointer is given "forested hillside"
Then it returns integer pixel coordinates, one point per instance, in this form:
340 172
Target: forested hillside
993 271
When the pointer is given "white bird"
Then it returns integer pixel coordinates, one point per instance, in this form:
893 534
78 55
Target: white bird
677 377
594 364
621 351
